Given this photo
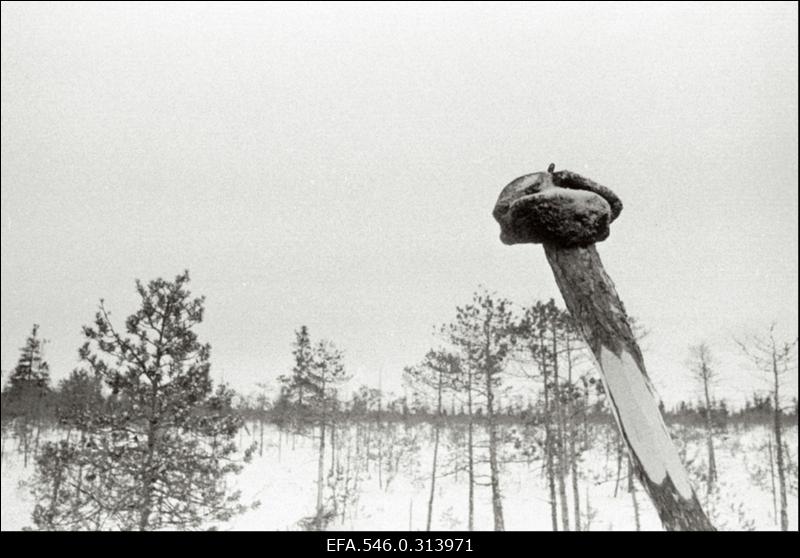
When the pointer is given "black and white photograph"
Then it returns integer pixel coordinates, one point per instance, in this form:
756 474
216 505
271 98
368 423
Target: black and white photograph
399 272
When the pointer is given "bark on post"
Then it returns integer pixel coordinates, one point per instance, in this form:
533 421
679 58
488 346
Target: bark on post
568 214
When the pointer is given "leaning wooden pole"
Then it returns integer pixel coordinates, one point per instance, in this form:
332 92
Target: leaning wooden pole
568 214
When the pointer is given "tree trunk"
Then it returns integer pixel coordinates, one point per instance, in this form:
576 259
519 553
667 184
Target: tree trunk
772 480
54 496
347 458
589 512
320 476
38 431
560 450
80 466
497 501
712 462
779 445
619 466
576 498
632 490
572 432
470 457
367 444
548 450
433 477
436 427
147 478
600 315
333 447
321 464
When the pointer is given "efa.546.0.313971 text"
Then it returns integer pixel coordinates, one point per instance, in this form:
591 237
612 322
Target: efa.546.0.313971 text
399 544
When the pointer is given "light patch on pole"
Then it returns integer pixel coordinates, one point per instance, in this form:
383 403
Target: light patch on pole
644 427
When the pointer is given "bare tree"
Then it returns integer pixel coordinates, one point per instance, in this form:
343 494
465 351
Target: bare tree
775 359
700 364
556 320
464 387
437 371
576 408
532 330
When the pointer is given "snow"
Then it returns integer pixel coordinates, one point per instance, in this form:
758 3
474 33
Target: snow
284 481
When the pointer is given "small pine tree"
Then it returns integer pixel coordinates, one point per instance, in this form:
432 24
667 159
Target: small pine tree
310 396
29 383
158 453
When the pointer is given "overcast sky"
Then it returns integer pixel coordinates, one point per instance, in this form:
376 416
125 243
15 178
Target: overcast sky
336 165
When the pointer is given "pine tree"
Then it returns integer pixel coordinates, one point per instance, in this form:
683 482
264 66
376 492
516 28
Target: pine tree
326 373
484 334
158 454
25 398
29 382
303 365
310 394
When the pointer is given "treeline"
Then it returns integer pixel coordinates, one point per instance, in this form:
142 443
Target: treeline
387 407
42 401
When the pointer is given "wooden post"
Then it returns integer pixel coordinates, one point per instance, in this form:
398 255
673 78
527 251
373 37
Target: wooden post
568 214
592 300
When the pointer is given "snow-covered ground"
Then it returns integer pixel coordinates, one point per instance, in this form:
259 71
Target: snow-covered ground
283 479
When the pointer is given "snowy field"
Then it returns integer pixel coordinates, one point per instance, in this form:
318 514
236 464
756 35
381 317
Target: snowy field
395 497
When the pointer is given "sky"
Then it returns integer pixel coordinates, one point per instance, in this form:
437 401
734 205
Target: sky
335 165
